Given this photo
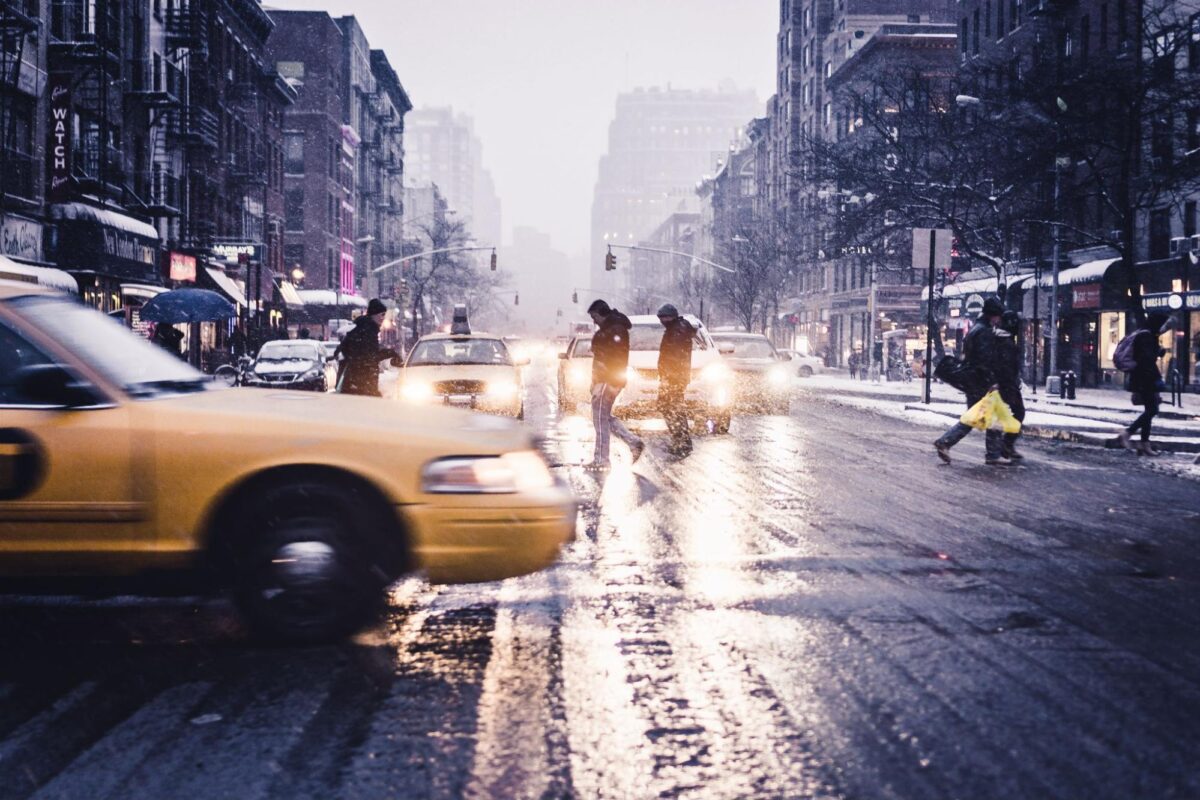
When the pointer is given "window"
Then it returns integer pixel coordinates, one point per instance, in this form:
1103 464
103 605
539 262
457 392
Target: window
1102 42
828 69
828 112
1160 233
1189 218
293 153
1000 19
293 210
975 33
15 354
1085 35
293 256
964 35
987 18
1122 24
1193 129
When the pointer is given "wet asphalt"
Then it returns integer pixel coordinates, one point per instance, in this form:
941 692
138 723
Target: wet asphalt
811 606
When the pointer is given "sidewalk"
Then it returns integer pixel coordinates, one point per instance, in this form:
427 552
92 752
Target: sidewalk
1094 418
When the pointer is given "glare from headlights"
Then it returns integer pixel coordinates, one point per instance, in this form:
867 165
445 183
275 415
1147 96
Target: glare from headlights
580 373
521 471
416 391
716 372
777 376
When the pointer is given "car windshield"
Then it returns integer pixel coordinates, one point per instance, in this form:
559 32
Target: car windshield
649 337
288 351
129 361
583 349
747 347
433 352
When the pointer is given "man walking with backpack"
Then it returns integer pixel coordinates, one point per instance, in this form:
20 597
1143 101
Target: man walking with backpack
674 375
610 361
982 361
1138 354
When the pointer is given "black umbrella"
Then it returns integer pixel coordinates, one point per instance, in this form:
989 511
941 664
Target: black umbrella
187 305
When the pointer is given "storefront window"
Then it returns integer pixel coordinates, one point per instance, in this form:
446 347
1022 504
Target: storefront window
1112 331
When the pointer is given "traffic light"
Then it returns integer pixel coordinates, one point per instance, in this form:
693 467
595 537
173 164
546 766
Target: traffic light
575 298
610 261
493 261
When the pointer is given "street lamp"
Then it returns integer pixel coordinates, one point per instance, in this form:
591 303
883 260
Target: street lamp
297 275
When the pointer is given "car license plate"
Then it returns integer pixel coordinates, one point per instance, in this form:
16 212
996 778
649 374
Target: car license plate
459 399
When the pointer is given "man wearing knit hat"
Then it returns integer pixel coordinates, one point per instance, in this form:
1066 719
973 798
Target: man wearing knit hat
362 353
980 353
674 374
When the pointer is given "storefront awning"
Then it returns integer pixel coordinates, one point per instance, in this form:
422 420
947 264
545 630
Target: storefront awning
981 286
1090 272
43 276
80 212
227 285
142 290
289 294
328 297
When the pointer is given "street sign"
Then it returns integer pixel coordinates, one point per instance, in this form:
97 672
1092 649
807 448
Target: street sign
975 305
941 248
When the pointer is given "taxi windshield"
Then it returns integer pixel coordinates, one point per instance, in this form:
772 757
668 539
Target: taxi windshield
649 337
288 351
137 366
433 352
747 346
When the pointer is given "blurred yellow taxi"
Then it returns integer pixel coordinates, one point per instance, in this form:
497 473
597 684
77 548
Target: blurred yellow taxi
117 460
467 370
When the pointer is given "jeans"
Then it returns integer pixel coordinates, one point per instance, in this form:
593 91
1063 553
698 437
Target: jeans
603 397
993 439
1142 423
670 402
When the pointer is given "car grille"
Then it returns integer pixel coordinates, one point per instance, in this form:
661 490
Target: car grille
458 387
279 377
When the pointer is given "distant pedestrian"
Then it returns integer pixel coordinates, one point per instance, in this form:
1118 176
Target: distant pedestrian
237 343
980 354
1008 377
1145 381
304 333
610 361
852 363
169 338
674 375
362 353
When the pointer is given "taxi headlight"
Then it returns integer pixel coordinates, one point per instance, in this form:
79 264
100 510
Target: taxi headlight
416 391
507 474
580 373
503 390
716 373
777 376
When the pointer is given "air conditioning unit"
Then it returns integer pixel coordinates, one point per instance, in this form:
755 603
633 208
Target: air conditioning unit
1180 244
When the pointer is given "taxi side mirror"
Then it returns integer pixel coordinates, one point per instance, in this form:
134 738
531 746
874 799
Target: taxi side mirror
562 356
53 385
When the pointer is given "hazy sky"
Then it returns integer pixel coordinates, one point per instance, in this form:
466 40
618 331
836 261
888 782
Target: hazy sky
540 78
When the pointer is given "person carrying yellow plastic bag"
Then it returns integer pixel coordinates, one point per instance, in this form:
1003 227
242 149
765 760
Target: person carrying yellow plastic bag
991 413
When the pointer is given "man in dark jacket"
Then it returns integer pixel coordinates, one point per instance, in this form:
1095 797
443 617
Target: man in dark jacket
1145 381
674 375
981 356
362 353
1008 377
610 361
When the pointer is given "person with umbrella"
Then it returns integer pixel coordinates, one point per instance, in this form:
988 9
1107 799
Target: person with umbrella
168 337
361 350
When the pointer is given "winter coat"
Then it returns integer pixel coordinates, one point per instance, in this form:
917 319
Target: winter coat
675 352
980 353
610 350
1145 379
362 352
1008 368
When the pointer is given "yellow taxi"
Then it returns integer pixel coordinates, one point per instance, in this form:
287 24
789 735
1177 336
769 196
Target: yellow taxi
117 460
467 370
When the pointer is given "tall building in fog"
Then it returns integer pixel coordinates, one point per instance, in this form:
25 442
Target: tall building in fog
443 150
660 144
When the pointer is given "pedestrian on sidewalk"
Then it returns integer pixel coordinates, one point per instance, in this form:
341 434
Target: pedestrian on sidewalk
1008 362
852 363
980 354
1145 381
610 361
674 374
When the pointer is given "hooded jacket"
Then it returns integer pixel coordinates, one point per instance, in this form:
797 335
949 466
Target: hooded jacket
675 352
610 350
362 353
1145 378
980 354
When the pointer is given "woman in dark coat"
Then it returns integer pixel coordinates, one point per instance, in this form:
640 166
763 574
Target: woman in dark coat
1145 381
362 353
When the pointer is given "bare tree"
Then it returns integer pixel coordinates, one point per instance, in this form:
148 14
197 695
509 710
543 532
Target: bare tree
443 279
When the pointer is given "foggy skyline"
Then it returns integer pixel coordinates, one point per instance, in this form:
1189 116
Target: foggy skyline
540 78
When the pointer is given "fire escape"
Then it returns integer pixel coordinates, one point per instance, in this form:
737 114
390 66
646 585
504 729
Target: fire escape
17 21
192 125
85 41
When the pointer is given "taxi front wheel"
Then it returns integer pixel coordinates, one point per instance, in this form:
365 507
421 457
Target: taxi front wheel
304 572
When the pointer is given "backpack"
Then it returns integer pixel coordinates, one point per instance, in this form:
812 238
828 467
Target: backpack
1123 356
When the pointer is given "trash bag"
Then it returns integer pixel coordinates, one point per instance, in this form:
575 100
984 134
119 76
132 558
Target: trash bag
991 412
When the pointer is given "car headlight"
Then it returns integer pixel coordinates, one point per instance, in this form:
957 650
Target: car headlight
580 373
503 390
521 471
716 373
416 391
777 376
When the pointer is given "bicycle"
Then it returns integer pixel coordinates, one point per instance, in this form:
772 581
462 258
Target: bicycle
232 375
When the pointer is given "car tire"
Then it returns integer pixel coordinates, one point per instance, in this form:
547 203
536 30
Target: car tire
304 569
806 371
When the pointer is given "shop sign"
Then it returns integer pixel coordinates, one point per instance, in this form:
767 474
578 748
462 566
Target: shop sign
975 305
1171 301
230 253
1086 296
183 267
58 139
20 238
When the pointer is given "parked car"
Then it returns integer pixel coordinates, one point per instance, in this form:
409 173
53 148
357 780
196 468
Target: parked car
574 373
117 460
709 396
292 364
763 379
473 370
806 366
